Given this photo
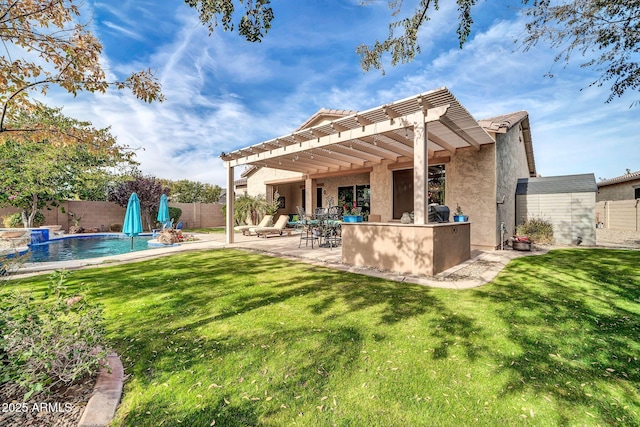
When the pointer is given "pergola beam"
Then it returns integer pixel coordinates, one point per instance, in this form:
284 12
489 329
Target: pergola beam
340 137
355 153
442 143
332 153
446 121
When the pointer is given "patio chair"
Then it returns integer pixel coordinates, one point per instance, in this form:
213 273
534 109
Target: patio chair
302 216
308 229
266 221
320 213
335 212
279 228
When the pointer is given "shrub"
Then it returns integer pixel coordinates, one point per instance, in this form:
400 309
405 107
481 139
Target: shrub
537 229
115 227
15 220
50 343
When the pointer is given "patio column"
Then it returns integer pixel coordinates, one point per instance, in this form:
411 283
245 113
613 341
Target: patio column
269 193
420 173
230 202
309 195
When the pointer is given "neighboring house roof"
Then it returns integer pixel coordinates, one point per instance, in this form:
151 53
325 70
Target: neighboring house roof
501 124
248 171
240 182
324 115
585 183
617 180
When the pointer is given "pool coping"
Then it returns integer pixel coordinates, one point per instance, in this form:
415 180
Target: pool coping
29 269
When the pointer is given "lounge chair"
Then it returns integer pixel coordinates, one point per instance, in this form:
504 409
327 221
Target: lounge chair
266 221
279 228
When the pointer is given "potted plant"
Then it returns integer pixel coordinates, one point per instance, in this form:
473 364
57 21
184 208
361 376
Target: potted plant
459 216
351 213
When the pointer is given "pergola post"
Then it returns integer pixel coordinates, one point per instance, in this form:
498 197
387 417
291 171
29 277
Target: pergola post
230 202
309 195
420 173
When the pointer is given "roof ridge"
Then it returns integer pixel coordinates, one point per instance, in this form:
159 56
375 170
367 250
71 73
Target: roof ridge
622 178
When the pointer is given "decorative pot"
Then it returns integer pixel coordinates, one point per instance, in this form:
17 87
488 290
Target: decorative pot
406 218
460 218
352 218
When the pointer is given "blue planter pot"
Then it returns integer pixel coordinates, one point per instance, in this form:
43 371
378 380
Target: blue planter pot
352 218
460 218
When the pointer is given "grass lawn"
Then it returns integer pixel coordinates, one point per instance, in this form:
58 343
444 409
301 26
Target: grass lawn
244 339
210 230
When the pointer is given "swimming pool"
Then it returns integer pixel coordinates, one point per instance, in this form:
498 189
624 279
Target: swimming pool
84 247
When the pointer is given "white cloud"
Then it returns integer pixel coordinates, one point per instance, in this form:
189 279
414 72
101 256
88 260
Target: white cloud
125 31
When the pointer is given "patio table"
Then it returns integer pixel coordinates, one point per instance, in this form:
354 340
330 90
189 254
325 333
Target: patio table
307 231
330 232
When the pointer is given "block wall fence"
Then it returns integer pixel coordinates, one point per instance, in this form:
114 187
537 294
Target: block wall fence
100 215
619 214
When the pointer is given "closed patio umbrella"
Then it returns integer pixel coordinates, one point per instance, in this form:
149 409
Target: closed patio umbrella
163 212
132 220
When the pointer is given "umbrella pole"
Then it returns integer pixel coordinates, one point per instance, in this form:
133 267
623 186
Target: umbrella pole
131 242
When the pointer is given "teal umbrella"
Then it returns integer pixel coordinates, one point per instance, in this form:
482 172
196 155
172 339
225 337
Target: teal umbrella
163 212
132 220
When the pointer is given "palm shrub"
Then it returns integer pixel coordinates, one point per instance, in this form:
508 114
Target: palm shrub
539 230
248 206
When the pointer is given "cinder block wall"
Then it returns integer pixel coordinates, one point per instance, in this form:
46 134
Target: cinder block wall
101 215
619 214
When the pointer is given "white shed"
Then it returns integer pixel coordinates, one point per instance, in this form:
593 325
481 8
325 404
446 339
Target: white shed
568 202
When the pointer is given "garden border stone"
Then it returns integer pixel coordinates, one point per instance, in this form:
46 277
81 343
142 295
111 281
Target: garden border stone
107 392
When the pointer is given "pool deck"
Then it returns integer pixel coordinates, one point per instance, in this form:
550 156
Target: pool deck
480 269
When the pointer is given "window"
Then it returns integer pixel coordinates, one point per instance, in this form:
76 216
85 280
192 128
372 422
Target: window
363 198
402 192
637 191
345 195
318 197
403 189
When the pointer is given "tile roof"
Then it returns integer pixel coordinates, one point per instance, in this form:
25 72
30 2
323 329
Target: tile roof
624 178
501 124
326 114
585 183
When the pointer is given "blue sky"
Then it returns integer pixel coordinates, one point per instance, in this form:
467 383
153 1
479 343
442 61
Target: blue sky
224 93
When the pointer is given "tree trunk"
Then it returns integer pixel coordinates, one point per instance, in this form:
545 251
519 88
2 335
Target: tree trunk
27 220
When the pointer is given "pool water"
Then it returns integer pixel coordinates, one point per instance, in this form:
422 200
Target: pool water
84 247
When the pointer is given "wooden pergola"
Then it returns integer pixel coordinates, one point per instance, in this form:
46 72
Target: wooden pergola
419 129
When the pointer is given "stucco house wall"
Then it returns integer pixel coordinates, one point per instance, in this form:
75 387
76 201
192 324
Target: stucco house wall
624 190
382 193
511 164
256 181
471 184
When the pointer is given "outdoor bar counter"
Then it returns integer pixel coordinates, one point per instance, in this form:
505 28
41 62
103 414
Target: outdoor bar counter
426 249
